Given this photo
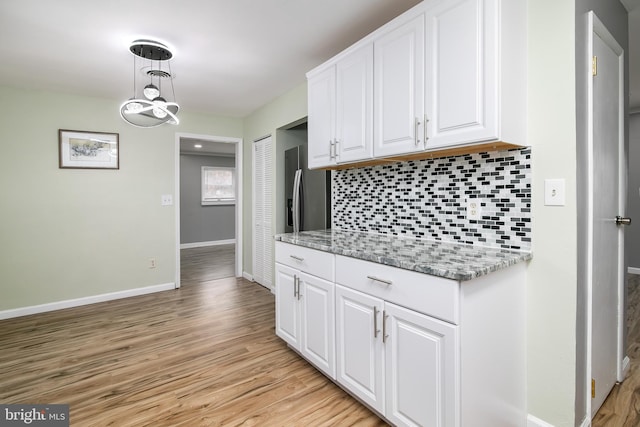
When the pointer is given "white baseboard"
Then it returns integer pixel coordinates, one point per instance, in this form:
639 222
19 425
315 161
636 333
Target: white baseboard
536 422
586 422
633 270
247 276
210 243
59 305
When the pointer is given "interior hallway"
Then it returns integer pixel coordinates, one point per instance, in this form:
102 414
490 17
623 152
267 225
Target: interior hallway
207 263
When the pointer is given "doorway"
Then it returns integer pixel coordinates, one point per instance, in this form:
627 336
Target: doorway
606 192
208 176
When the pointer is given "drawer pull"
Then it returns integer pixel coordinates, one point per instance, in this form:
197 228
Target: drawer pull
297 258
377 279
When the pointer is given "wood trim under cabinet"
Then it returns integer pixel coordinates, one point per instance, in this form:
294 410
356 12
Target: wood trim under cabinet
445 152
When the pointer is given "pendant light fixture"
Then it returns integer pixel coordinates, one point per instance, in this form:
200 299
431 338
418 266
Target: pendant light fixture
151 108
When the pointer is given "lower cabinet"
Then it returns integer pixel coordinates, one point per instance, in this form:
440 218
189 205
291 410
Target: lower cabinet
305 316
417 349
400 362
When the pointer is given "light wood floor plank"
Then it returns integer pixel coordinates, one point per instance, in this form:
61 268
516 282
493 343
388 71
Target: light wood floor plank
622 406
203 355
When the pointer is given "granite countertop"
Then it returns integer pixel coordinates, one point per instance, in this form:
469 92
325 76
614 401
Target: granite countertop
448 260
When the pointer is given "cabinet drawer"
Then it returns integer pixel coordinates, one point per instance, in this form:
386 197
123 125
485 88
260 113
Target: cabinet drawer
311 261
427 294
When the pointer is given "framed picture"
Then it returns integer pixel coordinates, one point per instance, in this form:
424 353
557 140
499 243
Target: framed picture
88 150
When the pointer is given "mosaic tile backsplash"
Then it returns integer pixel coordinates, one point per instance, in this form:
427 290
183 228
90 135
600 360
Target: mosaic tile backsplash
427 199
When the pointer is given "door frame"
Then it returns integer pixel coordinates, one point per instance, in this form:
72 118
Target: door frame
595 26
239 208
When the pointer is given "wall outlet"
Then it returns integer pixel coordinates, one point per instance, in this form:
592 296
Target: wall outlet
474 209
152 263
166 200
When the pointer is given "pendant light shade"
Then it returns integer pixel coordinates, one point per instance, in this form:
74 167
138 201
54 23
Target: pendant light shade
151 91
151 108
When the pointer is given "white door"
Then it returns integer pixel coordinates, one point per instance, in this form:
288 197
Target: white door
287 311
321 122
262 212
359 345
607 201
354 109
399 90
462 80
317 314
420 366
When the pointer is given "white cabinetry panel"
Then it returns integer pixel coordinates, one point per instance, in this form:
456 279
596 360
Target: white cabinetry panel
317 343
321 126
359 345
354 112
421 369
305 304
287 312
399 89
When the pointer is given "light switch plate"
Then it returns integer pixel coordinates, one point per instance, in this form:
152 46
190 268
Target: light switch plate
166 200
554 192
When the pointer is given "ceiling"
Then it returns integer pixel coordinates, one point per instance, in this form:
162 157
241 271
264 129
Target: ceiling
230 56
207 147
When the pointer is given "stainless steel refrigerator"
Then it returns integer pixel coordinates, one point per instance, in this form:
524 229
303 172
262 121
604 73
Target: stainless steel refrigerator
307 193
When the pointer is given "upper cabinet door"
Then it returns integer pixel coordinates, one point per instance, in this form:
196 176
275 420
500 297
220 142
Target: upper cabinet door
354 112
399 89
464 65
461 93
321 89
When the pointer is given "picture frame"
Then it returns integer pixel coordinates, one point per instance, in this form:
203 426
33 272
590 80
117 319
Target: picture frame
88 150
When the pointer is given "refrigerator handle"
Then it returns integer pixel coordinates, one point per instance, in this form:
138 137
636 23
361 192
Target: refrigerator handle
301 202
296 201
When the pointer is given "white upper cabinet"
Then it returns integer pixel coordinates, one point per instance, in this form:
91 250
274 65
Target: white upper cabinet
354 119
321 124
341 109
445 74
475 56
399 89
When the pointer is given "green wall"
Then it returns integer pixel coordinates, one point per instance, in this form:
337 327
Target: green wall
70 234
288 108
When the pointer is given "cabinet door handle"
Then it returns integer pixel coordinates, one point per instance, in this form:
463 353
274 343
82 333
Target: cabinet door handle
384 326
426 120
377 279
375 322
416 126
297 258
295 286
335 149
298 288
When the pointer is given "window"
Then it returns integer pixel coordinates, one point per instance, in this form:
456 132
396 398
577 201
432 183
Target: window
218 186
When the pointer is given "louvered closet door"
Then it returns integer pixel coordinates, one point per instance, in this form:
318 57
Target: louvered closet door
262 212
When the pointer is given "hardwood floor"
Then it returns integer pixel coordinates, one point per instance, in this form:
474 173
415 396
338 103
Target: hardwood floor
622 407
203 355
207 263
